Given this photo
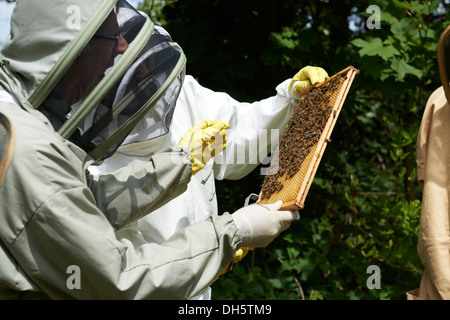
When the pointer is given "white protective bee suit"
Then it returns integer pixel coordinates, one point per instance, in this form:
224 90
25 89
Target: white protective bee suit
255 129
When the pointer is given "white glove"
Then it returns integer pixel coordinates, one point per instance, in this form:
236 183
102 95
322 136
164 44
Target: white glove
259 224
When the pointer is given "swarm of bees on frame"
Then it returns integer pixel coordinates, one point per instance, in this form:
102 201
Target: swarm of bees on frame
302 132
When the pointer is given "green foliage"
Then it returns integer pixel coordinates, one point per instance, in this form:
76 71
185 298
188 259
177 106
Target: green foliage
364 205
154 10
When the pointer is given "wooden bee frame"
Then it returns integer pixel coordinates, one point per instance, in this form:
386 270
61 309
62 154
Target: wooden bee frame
292 187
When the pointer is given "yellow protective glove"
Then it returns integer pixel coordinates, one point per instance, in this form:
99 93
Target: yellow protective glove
204 140
240 254
306 76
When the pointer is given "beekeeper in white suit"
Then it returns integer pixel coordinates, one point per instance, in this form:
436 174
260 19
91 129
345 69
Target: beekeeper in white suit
250 123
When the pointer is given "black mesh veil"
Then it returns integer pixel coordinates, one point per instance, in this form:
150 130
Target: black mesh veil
127 79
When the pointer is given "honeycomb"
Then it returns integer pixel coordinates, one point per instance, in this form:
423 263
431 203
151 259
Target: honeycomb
303 142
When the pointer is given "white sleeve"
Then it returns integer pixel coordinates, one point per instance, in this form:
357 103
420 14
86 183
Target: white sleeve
255 128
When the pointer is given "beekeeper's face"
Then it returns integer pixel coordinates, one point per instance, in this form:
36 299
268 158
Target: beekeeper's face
89 68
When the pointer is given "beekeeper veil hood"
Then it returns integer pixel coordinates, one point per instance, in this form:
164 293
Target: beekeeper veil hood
97 72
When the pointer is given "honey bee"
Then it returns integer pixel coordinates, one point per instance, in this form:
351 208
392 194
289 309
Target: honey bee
302 133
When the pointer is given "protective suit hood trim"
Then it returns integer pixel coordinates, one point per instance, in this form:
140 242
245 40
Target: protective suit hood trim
69 55
52 42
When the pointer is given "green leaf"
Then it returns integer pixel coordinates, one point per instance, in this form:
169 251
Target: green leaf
389 18
400 4
282 41
293 253
315 295
403 68
348 197
418 8
276 283
393 155
406 135
402 172
375 47
413 175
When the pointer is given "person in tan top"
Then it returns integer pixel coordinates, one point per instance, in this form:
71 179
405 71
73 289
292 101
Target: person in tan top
433 160
433 155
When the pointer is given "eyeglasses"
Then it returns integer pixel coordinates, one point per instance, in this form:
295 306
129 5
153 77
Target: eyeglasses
115 39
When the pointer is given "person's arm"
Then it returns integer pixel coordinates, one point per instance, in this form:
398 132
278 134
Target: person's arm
182 267
54 232
131 192
50 224
249 123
